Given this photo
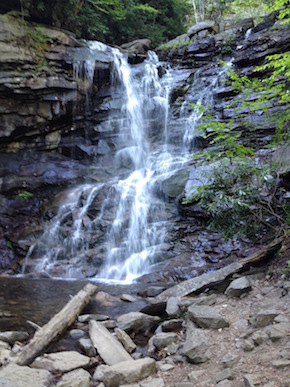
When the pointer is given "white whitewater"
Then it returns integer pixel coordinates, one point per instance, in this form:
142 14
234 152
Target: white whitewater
137 228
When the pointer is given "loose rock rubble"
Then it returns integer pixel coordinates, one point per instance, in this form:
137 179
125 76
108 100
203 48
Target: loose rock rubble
238 337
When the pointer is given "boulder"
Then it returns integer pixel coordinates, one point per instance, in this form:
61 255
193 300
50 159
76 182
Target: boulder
201 26
129 372
263 317
163 339
11 336
87 347
77 378
17 376
61 361
206 317
110 349
125 340
173 185
238 287
137 322
196 346
139 46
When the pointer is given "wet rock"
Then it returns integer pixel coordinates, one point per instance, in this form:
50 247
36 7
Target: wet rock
129 372
110 349
87 347
12 336
174 185
61 361
152 291
125 340
196 346
139 46
109 324
238 287
77 378
76 333
17 376
137 322
127 298
206 317
97 317
263 317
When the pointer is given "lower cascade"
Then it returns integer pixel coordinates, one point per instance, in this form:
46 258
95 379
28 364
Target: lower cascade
114 227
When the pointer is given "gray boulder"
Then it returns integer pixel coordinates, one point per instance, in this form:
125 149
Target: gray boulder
11 336
137 322
238 287
77 378
206 317
139 46
264 317
108 347
162 340
129 372
17 376
173 185
125 340
201 26
196 346
61 361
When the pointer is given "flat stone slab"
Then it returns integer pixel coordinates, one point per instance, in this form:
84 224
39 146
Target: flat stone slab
17 376
109 348
77 378
137 322
61 361
206 317
199 283
129 372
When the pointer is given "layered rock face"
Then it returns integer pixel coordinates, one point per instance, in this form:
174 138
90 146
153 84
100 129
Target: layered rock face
37 89
52 127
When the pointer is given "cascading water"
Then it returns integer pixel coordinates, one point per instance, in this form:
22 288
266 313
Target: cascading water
114 229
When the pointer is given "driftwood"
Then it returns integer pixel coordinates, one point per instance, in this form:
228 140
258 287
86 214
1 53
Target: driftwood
209 280
56 325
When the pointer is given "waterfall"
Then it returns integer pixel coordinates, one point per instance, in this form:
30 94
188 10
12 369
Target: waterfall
114 227
137 228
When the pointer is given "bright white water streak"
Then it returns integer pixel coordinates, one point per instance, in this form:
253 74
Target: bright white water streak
137 228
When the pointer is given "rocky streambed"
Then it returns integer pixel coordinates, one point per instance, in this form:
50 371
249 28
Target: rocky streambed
234 333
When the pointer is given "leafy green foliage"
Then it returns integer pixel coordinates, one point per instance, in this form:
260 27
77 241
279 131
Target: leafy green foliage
25 195
114 21
241 196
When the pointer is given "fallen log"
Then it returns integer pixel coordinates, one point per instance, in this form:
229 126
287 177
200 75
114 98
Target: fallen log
209 280
56 325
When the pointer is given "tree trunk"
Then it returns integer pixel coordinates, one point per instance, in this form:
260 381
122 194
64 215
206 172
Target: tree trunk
56 326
